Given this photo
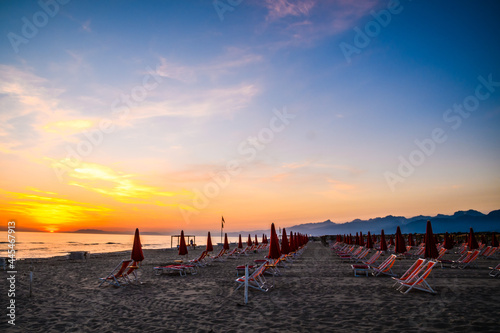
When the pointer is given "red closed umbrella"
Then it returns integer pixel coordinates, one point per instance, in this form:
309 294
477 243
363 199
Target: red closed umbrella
137 254
361 239
240 244
182 246
400 242
448 243
383 244
210 247
263 239
292 243
249 241
472 240
494 240
410 240
430 242
369 241
274 247
483 239
256 241
226 243
285 247
357 239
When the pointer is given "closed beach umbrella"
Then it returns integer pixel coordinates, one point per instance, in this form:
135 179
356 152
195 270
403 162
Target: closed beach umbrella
210 247
256 241
361 239
430 243
137 254
383 244
285 247
357 239
472 240
494 240
249 241
400 242
410 240
369 241
182 246
274 248
226 243
240 244
292 243
263 239
448 243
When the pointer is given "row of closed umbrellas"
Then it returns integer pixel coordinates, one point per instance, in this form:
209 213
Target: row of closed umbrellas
275 250
400 246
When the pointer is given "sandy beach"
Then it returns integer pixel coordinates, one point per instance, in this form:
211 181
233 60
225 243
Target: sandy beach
317 293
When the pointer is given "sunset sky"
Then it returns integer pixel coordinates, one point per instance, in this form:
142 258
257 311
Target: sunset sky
166 115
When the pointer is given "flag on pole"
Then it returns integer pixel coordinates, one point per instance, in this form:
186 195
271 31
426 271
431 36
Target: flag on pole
223 222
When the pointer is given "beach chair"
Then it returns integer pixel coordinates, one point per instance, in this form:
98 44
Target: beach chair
256 280
132 272
384 268
490 253
200 261
219 256
410 272
233 254
354 253
360 256
372 259
495 271
471 260
182 269
418 279
117 277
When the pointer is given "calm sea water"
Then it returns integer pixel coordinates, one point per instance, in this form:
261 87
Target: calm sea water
45 245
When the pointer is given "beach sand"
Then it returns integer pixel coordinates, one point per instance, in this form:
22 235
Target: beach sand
317 293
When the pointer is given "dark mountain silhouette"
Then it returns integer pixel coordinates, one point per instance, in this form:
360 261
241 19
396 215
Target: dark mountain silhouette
460 221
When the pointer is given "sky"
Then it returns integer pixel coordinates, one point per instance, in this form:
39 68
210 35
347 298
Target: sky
168 115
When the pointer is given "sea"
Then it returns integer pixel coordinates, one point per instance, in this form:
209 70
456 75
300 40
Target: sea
46 245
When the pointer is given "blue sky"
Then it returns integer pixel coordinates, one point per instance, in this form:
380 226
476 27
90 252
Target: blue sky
203 86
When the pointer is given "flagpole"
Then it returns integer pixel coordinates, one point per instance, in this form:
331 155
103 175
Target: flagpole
221 227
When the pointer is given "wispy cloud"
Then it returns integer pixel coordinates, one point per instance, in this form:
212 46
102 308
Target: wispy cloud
231 60
353 171
115 184
282 8
303 22
51 211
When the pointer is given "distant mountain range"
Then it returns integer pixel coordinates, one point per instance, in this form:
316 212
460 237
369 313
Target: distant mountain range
460 221
97 231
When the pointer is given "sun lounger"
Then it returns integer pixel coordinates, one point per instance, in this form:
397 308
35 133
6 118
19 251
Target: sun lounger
495 271
256 280
233 254
117 277
219 256
182 269
490 253
200 261
384 268
131 272
418 279
371 260
410 272
467 261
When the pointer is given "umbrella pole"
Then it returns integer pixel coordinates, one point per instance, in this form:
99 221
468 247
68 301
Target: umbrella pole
246 284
